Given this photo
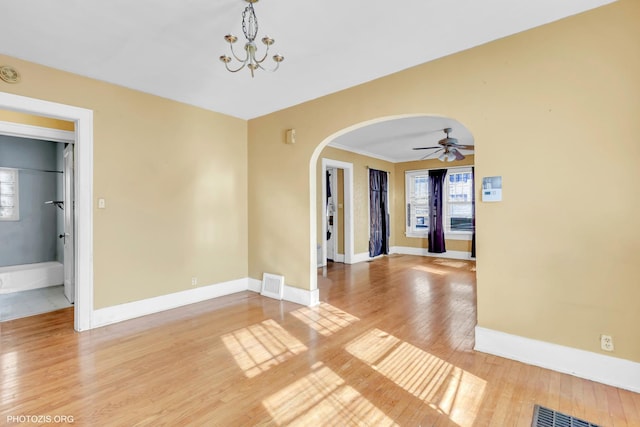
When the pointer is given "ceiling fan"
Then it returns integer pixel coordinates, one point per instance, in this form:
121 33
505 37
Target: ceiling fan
449 147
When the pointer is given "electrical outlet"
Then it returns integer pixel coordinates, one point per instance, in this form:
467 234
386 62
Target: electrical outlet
606 342
194 281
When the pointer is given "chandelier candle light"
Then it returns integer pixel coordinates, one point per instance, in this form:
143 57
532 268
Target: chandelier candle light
250 30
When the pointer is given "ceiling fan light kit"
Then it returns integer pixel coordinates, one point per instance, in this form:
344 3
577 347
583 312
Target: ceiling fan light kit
450 148
250 30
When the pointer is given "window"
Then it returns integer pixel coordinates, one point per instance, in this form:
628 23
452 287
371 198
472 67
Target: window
417 196
458 206
9 195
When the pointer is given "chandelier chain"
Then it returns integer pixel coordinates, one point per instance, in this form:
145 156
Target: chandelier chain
251 33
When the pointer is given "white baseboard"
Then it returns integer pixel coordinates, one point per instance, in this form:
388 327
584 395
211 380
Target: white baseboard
301 296
254 285
364 256
580 363
339 258
361 257
291 293
131 310
406 250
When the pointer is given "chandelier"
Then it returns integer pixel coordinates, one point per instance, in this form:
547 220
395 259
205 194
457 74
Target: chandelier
250 30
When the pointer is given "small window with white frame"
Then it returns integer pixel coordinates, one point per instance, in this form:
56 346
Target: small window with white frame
9 206
417 199
459 203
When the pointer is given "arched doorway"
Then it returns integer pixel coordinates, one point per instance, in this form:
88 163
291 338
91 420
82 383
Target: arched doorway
399 133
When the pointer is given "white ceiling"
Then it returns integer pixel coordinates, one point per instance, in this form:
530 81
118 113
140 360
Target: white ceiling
394 140
171 48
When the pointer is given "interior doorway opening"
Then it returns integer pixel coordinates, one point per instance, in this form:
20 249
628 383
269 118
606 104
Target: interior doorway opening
405 142
336 231
82 137
37 273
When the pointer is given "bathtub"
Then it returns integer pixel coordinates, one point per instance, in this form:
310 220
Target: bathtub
15 278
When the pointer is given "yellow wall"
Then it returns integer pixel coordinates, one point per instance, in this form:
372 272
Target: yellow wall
554 111
175 182
32 120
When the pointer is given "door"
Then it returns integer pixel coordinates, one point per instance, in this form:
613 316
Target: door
332 214
69 235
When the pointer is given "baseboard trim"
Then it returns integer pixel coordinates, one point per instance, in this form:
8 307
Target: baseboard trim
406 250
339 258
254 285
580 363
361 257
118 313
291 293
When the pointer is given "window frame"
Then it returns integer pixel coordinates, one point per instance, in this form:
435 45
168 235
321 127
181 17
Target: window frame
449 233
410 230
16 194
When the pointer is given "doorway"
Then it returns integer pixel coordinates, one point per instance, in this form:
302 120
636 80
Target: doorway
394 139
37 272
334 214
336 230
83 189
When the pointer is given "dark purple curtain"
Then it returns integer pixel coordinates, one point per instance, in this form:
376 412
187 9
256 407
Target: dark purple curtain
379 213
436 226
326 202
473 212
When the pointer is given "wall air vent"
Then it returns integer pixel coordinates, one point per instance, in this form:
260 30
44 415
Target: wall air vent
272 286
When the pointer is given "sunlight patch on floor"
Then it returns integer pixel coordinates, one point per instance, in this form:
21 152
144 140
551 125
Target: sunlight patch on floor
323 398
445 387
450 263
258 348
324 318
429 269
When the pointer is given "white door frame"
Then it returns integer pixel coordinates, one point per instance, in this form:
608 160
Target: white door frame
69 232
348 208
83 162
336 217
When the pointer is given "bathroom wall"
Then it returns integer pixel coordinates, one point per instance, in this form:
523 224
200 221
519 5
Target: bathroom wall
33 238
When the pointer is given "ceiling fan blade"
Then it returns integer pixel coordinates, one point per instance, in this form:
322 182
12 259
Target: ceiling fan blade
459 155
464 147
431 154
427 148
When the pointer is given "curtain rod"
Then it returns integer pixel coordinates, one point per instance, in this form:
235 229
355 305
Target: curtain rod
368 167
31 169
450 167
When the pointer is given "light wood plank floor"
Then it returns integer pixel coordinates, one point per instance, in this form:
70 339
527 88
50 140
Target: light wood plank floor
391 344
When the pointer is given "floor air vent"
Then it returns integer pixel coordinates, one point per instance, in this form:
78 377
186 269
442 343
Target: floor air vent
272 285
544 417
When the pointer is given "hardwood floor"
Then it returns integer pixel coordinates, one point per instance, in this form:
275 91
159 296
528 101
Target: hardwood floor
391 344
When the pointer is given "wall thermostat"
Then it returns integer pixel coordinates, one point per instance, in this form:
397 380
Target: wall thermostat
492 189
